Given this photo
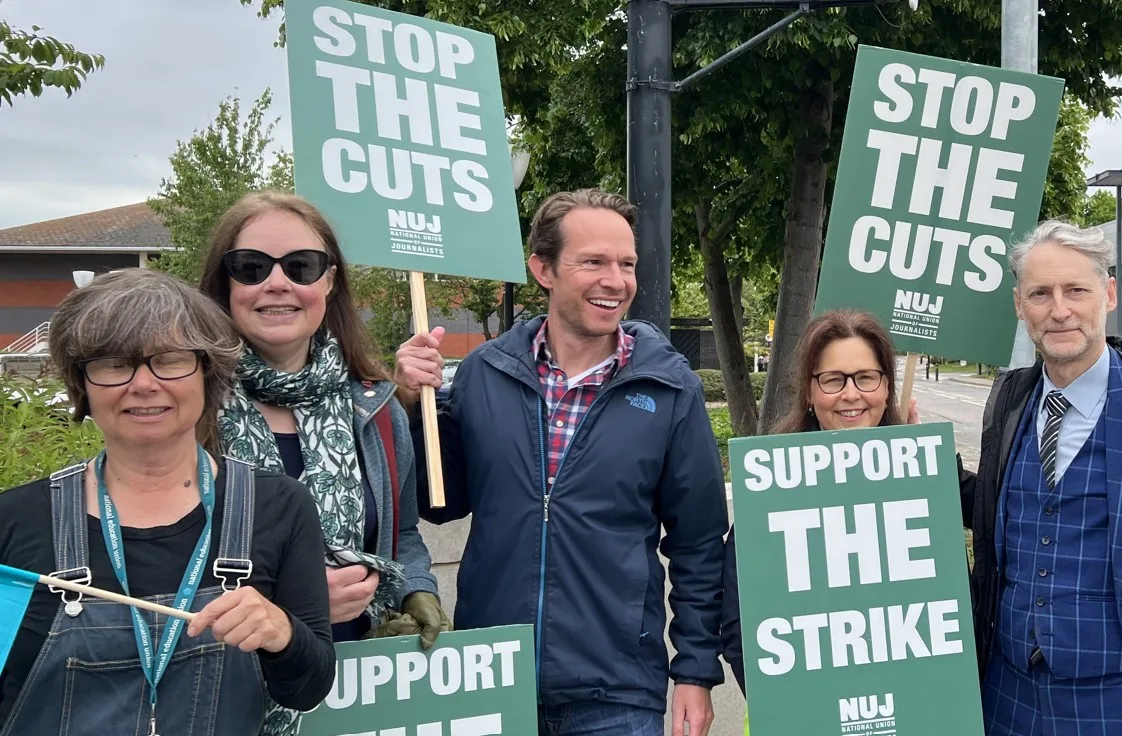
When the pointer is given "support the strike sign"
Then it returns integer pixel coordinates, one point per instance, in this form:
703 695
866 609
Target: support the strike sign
855 607
471 683
399 137
942 166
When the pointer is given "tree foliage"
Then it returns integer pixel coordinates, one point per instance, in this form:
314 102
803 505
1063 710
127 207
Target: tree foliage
1099 208
752 170
210 172
30 63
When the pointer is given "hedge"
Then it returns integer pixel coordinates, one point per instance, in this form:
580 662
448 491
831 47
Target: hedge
713 384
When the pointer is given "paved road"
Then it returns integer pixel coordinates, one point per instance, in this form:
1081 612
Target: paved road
956 398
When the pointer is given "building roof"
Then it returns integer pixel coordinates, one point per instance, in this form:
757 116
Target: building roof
1106 179
1110 230
134 228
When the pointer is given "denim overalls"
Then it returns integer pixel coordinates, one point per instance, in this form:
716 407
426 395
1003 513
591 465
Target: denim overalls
87 679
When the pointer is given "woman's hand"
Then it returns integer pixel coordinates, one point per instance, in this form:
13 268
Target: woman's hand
244 619
913 412
350 590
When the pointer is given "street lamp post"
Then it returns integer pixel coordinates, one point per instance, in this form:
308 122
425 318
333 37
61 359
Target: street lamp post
1020 36
1114 179
649 86
520 160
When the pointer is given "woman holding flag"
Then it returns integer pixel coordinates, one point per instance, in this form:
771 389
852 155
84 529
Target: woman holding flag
157 517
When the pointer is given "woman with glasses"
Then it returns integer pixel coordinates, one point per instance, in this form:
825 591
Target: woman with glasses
160 515
845 378
311 401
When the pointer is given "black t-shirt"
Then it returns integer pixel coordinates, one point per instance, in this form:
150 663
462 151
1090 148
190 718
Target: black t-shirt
288 569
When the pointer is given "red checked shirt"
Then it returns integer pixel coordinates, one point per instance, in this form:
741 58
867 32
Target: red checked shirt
568 400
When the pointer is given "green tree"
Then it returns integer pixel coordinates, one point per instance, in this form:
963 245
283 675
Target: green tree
385 293
755 144
1100 207
1065 189
30 62
211 171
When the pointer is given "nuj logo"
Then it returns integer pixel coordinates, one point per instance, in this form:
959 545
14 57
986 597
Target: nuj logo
913 301
866 708
417 222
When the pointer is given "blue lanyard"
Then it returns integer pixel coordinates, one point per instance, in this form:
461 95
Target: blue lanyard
111 529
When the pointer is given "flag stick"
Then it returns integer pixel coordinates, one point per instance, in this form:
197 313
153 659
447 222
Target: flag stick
115 597
428 397
906 387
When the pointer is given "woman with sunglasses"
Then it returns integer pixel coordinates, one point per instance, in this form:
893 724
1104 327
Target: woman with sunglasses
312 402
161 516
845 378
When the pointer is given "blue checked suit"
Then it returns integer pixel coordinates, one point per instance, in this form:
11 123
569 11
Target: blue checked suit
1061 553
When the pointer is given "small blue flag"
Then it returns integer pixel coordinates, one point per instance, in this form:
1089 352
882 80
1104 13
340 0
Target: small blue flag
16 587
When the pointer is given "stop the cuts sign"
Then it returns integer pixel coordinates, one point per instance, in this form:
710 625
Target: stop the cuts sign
942 169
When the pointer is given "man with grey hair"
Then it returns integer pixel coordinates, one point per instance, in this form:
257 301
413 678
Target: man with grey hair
1046 504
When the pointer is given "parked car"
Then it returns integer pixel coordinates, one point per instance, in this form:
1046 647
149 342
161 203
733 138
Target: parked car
449 372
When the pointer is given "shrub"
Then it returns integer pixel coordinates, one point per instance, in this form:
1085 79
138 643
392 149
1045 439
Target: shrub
39 436
712 383
722 431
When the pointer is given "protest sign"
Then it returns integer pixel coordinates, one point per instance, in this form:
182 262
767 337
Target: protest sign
471 683
855 606
399 136
942 167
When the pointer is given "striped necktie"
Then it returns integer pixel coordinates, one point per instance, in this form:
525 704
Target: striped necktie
1057 406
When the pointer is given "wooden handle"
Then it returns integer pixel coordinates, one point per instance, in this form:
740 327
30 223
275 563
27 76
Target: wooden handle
428 397
115 597
906 387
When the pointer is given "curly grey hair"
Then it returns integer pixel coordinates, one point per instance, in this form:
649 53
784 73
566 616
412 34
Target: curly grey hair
137 311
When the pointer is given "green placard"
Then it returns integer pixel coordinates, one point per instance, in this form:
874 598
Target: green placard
399 136
854 598
471 683
942 168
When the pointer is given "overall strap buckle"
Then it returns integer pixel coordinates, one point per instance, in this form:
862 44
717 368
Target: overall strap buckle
81 575
229 569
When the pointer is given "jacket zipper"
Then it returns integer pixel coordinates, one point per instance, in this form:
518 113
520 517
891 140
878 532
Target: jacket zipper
547 492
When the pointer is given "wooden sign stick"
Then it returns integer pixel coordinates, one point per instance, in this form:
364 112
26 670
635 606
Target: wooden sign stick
906 387
115 597
428 396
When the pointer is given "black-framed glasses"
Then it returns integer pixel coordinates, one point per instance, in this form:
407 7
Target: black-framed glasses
251 267
833 382
116 371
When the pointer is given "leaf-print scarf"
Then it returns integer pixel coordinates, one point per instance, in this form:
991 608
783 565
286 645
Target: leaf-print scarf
320 400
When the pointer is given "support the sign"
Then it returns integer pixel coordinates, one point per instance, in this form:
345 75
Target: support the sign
428 396
906 386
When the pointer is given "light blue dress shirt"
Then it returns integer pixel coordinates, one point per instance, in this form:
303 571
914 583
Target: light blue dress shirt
1087 395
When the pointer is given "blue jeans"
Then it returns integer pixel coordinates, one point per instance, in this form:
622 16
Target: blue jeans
594 718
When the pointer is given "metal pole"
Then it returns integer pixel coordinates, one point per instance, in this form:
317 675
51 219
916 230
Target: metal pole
1019 38
648 155
508 306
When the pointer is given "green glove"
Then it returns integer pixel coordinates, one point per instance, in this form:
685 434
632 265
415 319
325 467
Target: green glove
421 614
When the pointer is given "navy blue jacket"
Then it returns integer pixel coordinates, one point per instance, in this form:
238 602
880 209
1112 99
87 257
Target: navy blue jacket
732 639
581 561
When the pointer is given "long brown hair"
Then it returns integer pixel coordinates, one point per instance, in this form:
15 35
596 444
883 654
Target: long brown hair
837 324
342 318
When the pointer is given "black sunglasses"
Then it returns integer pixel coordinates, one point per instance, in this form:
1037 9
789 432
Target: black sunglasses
252 266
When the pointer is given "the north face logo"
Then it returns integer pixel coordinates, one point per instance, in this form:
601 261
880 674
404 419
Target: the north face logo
642 401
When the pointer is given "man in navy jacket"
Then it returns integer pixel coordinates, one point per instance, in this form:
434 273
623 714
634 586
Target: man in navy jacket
574 440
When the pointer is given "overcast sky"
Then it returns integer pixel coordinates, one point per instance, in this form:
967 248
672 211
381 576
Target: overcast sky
168 65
